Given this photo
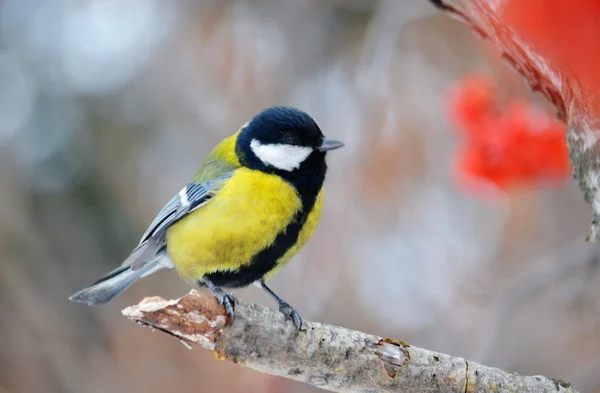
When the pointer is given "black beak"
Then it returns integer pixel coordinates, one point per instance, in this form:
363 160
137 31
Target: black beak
329 144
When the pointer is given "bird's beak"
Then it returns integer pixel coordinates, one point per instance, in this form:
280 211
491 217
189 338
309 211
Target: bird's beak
329 144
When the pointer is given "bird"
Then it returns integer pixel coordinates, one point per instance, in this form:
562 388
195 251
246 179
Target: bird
253 203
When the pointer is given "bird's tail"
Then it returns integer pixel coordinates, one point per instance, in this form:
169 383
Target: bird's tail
115 282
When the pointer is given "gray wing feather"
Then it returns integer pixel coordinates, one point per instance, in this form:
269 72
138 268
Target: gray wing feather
191 197
150 255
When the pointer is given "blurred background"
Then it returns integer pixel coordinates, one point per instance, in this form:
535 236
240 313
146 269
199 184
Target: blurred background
107 107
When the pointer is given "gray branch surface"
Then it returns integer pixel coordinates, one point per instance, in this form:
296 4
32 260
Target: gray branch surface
329 357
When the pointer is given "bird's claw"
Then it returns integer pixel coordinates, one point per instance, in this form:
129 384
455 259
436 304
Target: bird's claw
292 314
226 300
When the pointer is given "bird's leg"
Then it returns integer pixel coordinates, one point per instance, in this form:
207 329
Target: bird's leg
284 307
227 300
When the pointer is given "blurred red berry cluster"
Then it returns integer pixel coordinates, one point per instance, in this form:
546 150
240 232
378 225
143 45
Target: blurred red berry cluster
504 145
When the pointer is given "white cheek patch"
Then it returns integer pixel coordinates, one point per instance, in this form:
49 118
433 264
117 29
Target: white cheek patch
284 157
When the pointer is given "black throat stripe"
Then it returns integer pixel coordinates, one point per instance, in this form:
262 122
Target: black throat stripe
307 186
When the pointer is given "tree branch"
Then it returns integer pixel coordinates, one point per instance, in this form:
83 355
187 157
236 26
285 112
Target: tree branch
329 357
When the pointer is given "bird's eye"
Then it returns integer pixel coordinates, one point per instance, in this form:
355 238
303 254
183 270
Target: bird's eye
290 139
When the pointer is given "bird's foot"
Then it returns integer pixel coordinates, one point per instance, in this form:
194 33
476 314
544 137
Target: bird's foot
284 307
226 300
292 314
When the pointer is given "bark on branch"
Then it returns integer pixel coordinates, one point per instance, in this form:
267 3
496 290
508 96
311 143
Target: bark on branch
329 357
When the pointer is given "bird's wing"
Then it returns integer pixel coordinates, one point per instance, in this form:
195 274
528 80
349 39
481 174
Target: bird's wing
220 161
193 196
210 177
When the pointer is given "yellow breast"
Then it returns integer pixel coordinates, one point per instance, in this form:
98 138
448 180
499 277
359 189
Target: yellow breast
243 219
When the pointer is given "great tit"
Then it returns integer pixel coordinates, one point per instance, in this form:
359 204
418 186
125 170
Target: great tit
252 204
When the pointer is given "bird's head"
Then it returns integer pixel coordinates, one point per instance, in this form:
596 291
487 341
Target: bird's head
283 139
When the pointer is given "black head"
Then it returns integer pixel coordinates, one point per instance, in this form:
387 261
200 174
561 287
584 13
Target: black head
283 139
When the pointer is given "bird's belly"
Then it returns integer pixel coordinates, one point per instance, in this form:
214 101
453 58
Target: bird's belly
271 259
243 219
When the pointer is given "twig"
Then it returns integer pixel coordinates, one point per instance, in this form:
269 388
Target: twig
329 357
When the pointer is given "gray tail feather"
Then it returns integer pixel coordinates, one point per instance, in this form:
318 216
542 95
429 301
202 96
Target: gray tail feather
115 282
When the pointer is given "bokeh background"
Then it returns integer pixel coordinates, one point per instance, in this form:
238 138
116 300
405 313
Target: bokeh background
108 106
